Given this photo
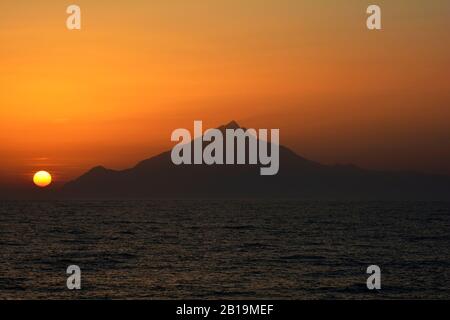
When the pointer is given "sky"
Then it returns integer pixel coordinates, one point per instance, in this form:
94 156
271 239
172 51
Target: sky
112 93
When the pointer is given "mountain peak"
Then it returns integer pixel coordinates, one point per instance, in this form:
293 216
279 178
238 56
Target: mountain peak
232 125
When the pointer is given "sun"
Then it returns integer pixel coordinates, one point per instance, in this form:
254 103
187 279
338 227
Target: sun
42 179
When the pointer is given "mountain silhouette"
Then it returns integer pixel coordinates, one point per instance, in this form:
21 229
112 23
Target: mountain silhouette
298 178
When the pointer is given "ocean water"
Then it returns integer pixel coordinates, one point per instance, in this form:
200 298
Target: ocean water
224 249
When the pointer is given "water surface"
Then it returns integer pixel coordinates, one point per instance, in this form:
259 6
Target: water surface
224 249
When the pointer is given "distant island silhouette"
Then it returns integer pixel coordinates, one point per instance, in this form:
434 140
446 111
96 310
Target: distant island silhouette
298 178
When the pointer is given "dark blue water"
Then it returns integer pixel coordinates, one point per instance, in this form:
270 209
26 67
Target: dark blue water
224 249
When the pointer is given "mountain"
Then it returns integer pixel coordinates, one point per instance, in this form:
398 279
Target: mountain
298 178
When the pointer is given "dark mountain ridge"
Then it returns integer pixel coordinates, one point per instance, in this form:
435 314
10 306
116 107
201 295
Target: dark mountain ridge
298 178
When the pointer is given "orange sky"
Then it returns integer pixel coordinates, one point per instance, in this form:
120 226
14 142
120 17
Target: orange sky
112 93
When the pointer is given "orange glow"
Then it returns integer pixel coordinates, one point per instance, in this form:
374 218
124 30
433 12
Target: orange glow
112 93
42 179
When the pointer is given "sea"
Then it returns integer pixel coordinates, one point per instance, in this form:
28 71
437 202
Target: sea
224 249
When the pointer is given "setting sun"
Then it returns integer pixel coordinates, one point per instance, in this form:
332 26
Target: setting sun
42 179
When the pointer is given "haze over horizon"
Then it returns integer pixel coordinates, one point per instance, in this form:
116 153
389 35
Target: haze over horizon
112 93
